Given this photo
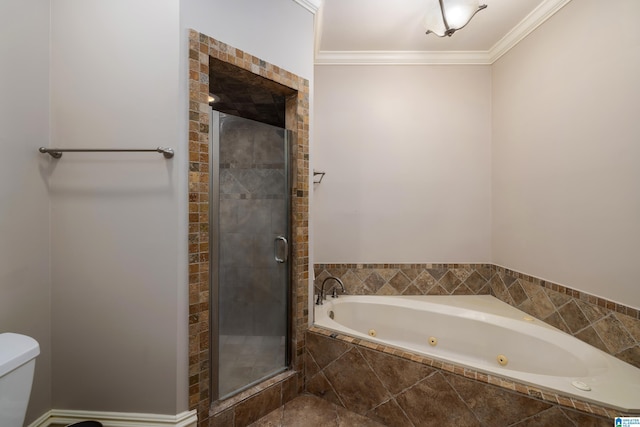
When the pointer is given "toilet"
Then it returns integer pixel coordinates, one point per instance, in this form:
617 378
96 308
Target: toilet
17 364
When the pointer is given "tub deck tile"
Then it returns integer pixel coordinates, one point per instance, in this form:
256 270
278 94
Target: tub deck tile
389 413
584 420
396 374
444 405
383 372
495 406
331 349
355 383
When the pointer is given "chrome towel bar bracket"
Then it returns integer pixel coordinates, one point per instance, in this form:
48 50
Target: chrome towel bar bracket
56 153
318 173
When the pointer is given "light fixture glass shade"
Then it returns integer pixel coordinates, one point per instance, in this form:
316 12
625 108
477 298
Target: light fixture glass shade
445 17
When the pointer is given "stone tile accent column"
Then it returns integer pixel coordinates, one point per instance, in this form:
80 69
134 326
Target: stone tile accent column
201 49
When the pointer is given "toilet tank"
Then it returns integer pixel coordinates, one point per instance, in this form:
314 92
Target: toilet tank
17 363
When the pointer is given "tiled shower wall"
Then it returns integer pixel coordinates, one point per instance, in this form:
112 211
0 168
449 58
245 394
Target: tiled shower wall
611 327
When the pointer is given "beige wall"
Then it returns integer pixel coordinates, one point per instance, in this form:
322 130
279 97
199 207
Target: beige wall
114 301
566 151
277 31
24 205
554 121
119 234
407 152
118 249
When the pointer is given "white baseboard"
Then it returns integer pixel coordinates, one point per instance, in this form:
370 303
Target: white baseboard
42 421
117 419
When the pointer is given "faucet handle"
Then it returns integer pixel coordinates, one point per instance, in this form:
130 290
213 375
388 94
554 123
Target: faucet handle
334 293
319 300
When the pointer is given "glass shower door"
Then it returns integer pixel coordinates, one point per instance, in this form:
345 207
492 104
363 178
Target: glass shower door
250 271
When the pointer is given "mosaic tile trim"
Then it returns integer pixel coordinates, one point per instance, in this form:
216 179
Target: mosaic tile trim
611 327
536 393
201 49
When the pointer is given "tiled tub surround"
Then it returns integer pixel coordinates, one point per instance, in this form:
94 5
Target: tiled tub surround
484 334
201 49
611 327
398 388
409 279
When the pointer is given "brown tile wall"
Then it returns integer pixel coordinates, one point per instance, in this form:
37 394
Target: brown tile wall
201 49
394 387
611 327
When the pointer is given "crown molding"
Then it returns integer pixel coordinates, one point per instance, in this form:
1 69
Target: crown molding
311 5
537 17
370 57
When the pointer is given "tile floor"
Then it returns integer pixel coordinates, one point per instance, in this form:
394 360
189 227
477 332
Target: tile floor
311 411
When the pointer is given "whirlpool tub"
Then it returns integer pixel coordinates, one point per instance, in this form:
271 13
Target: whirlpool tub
487 335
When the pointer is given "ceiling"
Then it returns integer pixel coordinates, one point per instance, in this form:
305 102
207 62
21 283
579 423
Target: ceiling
391 31
381 32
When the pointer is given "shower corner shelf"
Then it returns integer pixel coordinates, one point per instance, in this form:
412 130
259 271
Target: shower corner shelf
320 174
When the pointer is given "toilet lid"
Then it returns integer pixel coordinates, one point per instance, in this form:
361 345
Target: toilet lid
15 351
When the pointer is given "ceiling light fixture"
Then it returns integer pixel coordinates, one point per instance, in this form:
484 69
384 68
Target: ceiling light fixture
445 17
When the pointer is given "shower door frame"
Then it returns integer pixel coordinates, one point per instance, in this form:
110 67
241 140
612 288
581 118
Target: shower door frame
214 253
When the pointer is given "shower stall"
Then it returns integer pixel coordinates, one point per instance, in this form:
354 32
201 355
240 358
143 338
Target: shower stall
249 228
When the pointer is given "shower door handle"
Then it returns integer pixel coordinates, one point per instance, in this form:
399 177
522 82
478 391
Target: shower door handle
285 245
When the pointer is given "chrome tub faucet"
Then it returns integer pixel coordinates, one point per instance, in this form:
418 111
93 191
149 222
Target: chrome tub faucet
321 295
